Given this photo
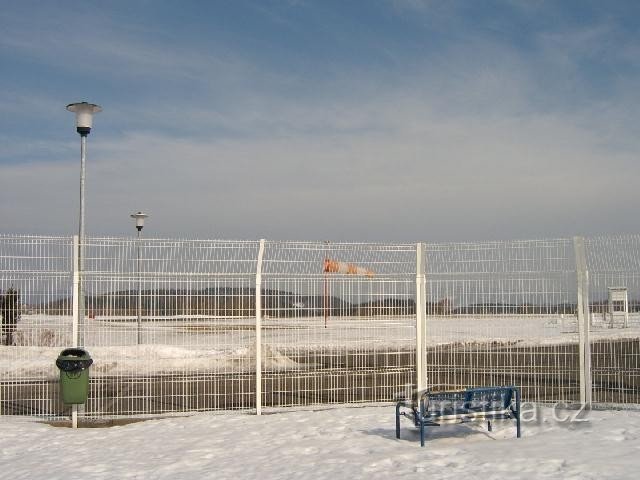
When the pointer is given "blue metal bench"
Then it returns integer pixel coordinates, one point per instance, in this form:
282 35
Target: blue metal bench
428 408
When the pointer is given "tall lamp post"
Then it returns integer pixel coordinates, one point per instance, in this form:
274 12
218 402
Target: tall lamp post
139 218
84 119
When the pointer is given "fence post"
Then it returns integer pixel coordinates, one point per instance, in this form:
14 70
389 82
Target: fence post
584 322
421 305
259 328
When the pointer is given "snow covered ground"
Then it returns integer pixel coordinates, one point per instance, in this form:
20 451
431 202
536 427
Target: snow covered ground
348 443
46 330
228 344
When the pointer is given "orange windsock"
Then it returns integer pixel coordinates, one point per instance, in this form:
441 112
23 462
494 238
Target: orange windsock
333 266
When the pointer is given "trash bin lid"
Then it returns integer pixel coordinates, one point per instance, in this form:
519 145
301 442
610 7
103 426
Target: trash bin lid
74 360
74 352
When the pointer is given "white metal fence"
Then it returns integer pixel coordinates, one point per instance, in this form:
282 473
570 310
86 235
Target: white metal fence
504 313
615 348
182 325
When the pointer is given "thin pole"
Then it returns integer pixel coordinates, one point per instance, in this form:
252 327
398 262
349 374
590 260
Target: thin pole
421 381
325 292
81 302
74 336
584 322
74 415
324 297
81 242
139 288
258 294
76 293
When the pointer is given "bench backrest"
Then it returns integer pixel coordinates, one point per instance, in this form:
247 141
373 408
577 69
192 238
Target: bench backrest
445 403
486 399
482 399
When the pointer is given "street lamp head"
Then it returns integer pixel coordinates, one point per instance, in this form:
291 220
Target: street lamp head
84 116
139 216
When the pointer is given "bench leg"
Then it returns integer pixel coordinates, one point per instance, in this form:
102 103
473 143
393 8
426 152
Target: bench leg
517 412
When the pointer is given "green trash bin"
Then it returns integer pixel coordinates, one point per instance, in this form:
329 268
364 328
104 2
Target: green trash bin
74 366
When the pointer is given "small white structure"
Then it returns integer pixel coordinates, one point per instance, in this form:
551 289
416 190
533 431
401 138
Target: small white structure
618 308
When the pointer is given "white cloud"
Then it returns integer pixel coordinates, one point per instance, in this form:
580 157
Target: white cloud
418 177
466 144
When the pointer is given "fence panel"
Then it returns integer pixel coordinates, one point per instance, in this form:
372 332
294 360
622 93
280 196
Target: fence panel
503 313
614 273
38 270
338 322
170 325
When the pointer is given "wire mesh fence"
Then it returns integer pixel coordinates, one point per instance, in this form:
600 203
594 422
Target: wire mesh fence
614 301
340 319
170 325
34 320
185 325
503 313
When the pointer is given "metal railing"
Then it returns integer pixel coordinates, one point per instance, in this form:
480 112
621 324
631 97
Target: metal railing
187 325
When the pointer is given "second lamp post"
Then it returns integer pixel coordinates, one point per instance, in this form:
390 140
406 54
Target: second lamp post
139 218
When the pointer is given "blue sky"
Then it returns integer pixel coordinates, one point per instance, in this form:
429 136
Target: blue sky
401 120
